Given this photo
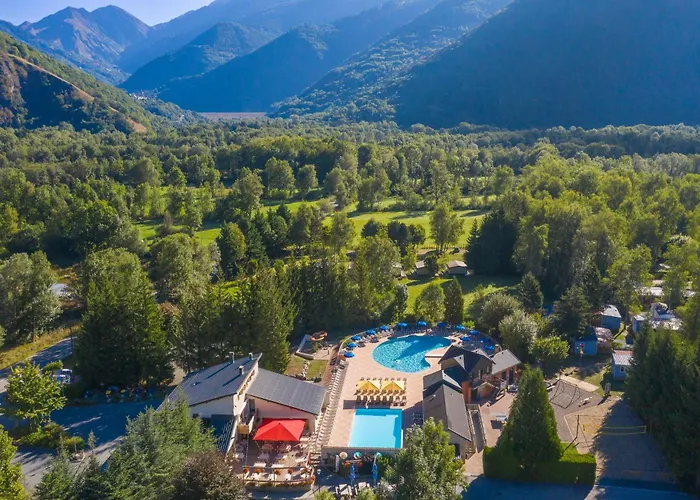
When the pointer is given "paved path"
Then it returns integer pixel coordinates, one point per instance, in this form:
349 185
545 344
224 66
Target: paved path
56 352
107 421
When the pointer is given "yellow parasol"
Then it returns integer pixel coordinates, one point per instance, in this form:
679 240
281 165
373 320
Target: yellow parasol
393 386
368 385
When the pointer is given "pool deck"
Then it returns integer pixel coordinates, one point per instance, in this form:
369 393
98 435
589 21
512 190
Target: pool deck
364 365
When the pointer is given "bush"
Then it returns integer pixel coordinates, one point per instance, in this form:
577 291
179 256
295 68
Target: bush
52 436
571 468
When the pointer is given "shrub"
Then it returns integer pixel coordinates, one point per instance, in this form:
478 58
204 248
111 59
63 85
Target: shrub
52 436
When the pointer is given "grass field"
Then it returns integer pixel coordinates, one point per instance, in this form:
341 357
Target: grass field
207 235
210 231
296 364
12 355
419 218
491 284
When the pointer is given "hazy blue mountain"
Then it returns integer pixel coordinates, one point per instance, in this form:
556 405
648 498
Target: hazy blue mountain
544 63
92 41
213 48
353 91
272 16
290 63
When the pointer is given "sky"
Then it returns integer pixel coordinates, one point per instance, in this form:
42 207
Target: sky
149 11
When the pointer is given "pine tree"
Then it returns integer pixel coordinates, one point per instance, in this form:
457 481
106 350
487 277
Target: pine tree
91 482
531 430
122 340
430 304
530 293
571 313
267 312
207 476
593 287
232 248
454 302
59 481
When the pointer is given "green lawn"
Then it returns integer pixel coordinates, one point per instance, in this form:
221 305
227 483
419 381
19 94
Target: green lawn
491 284
296 364
207 234
359 219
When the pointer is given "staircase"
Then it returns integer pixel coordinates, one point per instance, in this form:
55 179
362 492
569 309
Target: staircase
323 430
477 427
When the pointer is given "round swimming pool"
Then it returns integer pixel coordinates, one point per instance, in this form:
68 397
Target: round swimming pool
407 354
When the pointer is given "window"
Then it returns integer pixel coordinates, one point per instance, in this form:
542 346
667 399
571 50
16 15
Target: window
622 369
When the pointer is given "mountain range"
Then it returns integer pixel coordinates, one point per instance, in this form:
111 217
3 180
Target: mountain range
275 17
216 46
93 41
36 90
291 62
545 63
353 90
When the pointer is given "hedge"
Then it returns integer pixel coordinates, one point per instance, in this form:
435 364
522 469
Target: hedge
571 468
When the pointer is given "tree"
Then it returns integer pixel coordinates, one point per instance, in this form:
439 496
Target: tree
232 248
10 474
197 331
207 476
28 307
342 231
550 351
33 395
425 468
518 332
324 495
122 340
180 262
531 430
530 293
571 313
91 483
491 244
266 318
307 180
372 228
445 226
430 304
60 480
373 277
366 494
454 302
151 455
502 180
496 308
630 272
280 177
400 302
246 191
531 247
431 264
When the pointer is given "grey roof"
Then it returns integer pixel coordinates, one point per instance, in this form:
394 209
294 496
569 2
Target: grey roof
447 406
215 382
456 263
288 391
622 358
504 360
468 359
434 380
611 311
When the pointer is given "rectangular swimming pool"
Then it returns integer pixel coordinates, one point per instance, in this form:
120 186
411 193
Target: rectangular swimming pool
377 428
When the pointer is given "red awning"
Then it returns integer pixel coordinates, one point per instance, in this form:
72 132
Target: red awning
287 430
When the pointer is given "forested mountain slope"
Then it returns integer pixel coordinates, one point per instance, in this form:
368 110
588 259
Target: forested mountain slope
213 48
92 41
352 91
544 63
36 90
272 16
290 63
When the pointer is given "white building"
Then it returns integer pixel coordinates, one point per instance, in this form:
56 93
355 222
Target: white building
233 397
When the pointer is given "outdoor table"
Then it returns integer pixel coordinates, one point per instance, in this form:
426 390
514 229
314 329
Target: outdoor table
500 417
279 466
259 465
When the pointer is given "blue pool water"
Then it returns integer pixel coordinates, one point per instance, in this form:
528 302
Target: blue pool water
377 428
407 354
